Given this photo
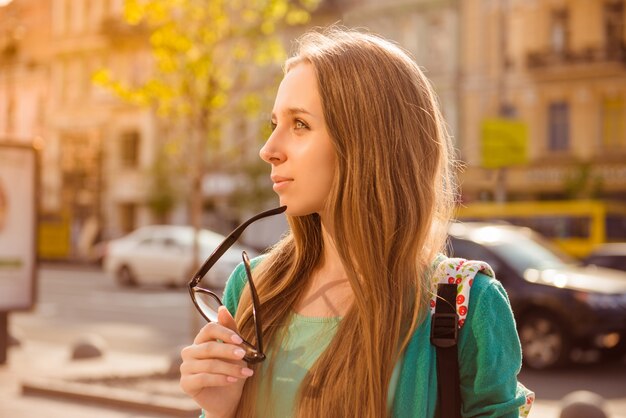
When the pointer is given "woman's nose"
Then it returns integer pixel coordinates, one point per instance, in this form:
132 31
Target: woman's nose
270 152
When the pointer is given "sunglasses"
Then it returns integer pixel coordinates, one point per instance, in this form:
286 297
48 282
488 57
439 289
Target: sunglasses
208 303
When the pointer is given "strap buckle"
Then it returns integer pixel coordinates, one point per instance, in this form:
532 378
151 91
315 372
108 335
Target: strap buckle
444 330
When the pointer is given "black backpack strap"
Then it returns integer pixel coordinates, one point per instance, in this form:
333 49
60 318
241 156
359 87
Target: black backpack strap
444 336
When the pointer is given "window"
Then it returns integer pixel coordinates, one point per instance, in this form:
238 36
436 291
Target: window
127 213
67 16
615 228
558 127
58 16
439 45
558 31
614 27
129 149
613 134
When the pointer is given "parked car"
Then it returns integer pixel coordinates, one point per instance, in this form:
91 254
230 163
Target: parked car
162 255
558 303
612 255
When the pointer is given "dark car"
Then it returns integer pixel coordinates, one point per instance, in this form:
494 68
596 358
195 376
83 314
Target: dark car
612 256
558 304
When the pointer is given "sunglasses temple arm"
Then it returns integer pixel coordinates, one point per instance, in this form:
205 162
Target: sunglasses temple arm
255 303
257 314
219 251
229 241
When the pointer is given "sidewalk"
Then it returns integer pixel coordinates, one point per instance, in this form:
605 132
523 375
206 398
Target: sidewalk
40 380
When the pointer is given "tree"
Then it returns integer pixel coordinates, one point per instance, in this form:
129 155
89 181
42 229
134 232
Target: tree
208 57
581 183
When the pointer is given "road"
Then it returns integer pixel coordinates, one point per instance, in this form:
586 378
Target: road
77 302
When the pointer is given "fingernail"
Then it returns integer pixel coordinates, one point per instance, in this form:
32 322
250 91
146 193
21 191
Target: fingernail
236 339
231 379
239 352
247 372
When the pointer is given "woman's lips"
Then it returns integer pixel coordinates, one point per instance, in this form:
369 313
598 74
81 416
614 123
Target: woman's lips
280 182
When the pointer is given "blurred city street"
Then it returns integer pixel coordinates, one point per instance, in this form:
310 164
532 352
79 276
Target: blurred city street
77 301
142 330
107 129
139 332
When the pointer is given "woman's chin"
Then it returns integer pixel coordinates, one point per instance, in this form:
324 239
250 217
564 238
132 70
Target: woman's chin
295 211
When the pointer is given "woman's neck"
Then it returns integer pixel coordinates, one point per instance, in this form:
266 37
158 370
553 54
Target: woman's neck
329 292
330 262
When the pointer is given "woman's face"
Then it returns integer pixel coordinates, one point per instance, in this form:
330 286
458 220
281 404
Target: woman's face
300 149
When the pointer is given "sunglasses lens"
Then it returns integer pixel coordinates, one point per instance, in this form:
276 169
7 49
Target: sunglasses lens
208 304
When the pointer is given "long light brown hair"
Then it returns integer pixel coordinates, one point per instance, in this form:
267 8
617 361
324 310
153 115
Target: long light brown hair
390 204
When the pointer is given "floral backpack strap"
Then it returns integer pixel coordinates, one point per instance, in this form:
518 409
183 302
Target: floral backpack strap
461 272
524 410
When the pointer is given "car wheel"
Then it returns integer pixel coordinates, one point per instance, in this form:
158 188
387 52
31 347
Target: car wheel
545 342
125 277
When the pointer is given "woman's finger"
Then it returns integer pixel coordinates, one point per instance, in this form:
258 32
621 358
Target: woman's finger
213 349
215 331
214 366
194 383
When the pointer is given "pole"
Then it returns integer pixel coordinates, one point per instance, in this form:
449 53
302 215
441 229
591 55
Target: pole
503 107
4 336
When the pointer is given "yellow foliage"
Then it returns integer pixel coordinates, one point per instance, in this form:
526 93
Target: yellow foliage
267 27
297 17
277 9
204 52
218 100
133 12
101 77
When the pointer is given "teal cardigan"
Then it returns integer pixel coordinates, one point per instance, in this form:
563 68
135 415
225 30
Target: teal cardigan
489 356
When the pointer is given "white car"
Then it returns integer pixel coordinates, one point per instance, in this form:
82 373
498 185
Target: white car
162 255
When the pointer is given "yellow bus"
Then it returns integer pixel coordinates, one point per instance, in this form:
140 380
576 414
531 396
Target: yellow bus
576 226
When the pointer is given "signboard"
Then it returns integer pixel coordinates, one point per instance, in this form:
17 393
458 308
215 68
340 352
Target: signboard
504 143
18 226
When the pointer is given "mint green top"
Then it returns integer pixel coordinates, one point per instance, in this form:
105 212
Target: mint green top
489 357
305 339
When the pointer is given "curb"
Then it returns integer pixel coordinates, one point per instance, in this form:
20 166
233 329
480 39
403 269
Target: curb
68 265
107 396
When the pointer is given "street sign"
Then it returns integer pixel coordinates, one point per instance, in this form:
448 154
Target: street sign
504 143
18 226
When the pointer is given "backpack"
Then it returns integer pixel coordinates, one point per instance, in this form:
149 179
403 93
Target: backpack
450 285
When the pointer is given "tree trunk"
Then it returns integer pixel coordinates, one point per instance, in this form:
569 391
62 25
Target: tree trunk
196 201
197 175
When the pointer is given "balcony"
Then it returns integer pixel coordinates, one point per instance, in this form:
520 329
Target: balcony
615 53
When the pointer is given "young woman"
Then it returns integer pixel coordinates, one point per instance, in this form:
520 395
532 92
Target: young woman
360 156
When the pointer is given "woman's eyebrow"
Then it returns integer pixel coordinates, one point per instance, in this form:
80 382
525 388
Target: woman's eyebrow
297 110
294 111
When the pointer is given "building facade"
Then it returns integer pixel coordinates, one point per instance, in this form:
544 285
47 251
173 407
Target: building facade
557 67
97 151
430 31
554 70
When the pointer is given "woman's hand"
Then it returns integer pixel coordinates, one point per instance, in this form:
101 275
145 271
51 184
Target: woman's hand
213 372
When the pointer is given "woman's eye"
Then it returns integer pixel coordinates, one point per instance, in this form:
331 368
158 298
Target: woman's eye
272 125
300 125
